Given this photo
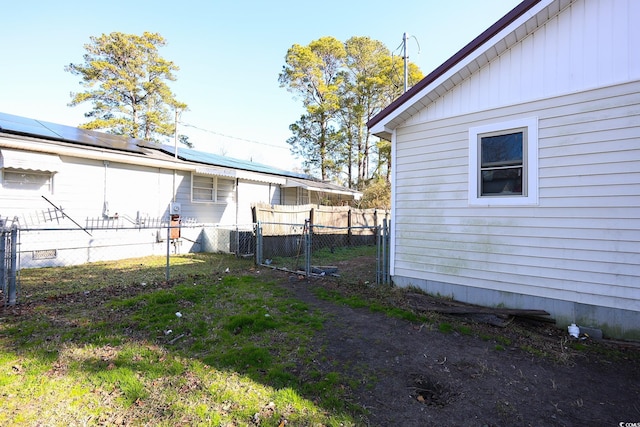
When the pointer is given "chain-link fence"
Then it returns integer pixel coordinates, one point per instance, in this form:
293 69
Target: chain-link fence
61 247
315 249
72 246
303 248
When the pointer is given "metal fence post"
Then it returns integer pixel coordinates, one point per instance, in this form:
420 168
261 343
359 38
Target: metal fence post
308 242
3 261
166 273
13 272
237 241
378 255
386 251
382 254
258 243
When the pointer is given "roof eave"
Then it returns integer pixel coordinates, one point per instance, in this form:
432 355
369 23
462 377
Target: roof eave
378 123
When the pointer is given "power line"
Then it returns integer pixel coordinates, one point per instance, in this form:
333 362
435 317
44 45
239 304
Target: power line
232 137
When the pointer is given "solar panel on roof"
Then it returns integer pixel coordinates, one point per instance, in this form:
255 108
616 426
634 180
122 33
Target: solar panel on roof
24 126
213 159
218 160
38 128
119 142
69 133
94 138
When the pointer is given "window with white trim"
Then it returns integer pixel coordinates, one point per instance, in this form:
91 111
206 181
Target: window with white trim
203 188
27 180
207 188
503 163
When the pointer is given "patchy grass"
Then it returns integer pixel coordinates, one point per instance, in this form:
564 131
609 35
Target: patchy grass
374 304
445 327
114 343
330 256
220 343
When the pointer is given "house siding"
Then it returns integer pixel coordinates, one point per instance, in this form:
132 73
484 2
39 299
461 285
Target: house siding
221 211
580 246
82 186
251 193
589 44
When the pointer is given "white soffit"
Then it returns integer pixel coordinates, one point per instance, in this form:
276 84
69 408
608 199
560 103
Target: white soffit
28 160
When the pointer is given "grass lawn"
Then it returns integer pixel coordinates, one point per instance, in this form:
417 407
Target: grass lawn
114 343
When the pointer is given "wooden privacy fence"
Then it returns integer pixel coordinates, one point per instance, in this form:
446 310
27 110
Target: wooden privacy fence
329 218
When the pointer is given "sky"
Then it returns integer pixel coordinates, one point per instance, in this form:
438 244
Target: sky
229 54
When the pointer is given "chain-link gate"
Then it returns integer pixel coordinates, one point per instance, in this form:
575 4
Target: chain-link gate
302 248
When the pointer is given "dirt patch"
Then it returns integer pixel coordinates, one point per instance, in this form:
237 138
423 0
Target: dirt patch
470 373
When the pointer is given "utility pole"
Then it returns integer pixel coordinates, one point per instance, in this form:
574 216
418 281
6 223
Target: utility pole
405 39
405 57
175 137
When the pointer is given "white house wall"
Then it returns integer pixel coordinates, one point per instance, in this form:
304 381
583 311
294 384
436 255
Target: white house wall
590 44
204 212
580 244
251 193
82 186
131 189
289 196
88 187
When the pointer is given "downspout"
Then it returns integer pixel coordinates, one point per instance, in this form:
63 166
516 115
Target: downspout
173 197
175 155
105 202
237 200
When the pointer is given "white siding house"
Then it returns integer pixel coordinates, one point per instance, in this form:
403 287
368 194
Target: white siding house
103 180
516 167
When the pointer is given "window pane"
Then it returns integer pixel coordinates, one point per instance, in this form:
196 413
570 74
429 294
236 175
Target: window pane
27 180
502 181
203 181
501 150
202 194
203 188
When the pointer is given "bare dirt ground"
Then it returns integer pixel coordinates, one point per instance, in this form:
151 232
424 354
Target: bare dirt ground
472 374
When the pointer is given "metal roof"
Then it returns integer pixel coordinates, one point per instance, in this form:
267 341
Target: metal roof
16 125
190 155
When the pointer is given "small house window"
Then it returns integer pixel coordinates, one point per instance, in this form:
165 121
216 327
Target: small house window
206 188
27 180
503 163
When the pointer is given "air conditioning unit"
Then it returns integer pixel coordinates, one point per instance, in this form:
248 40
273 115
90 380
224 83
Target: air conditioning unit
175 208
